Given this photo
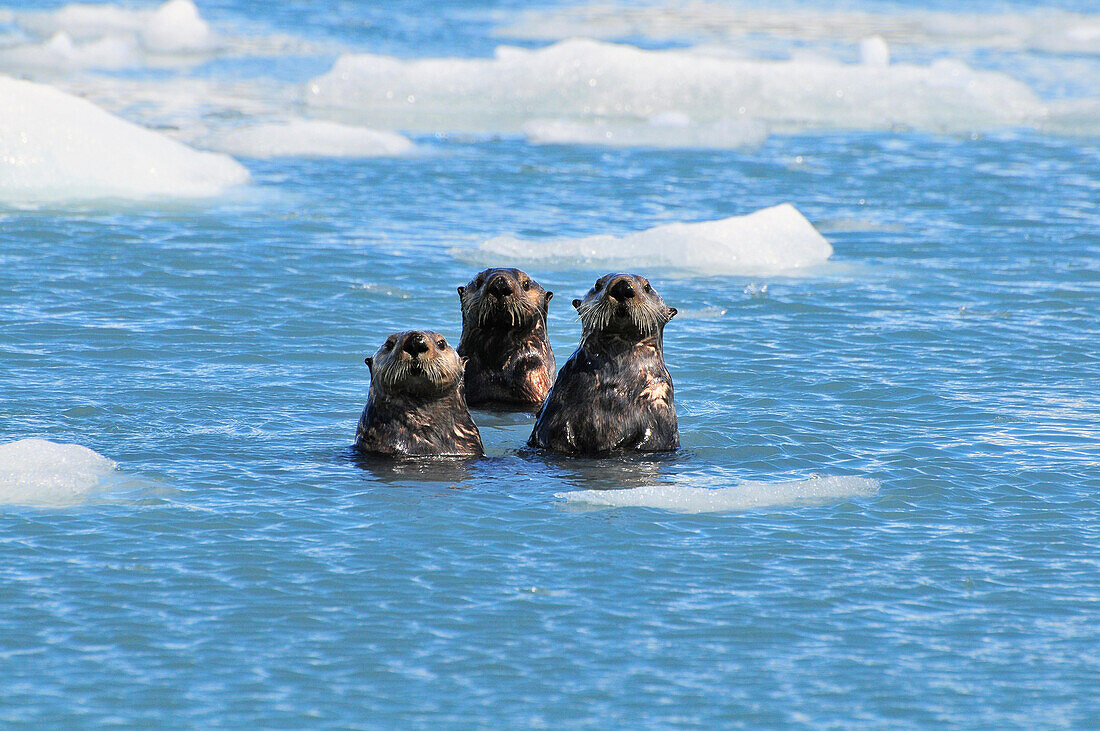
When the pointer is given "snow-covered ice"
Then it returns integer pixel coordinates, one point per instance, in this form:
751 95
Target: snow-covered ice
57 148
776 239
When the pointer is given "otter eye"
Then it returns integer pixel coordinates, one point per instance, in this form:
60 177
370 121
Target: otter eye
648 289
441 344
477 282
526 285
598 285
388 345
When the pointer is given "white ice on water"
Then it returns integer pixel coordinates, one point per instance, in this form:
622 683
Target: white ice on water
57 148
115 36
667 130
776 239
308 138
687 498
40 473
730 91
593 82
738 23
176 27
874 51
108 36
575 91
60 53
172 26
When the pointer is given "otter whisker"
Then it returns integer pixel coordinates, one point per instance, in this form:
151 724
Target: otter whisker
598 313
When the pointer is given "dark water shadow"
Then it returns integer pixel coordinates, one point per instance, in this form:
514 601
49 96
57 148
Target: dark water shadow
503 415
396 470
619 471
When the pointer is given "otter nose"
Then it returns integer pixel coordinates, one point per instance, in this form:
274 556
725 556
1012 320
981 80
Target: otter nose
622 290
500 286
415 344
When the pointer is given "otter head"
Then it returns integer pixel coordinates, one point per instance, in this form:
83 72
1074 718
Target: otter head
417 363
503 298
623 304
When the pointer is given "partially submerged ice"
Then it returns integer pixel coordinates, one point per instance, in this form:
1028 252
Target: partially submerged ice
588 81
686 498
776 239
59 148
40 473
308 138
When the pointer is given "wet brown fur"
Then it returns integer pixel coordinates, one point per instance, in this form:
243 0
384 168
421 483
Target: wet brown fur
615 393
416 406
509 361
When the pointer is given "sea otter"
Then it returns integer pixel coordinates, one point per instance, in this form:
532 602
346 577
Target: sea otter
509 361
615 393
416 407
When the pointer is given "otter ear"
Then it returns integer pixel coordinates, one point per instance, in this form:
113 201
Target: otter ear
672 312
370 364
461 291
577 304
549 296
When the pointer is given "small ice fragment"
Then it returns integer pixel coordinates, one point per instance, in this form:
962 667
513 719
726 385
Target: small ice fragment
41 473
874 51
776 239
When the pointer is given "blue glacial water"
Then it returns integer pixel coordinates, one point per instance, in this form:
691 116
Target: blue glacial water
886 510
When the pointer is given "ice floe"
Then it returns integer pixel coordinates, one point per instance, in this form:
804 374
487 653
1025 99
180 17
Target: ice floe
668 130
874 51
776 239
58 148
729 91
60 53
308 138
108 36
1038 29
594 82
176 27
688 498
112 36
40 473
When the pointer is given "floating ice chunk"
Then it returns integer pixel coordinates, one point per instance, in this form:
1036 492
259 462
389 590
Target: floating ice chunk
775 239
746 496
873 51
1088 33
172 34
83 21
588 81
670 119
60 52
309 138
1036 28
176 27
55 147
1072 116
40 473
60 45
710 312
666 130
